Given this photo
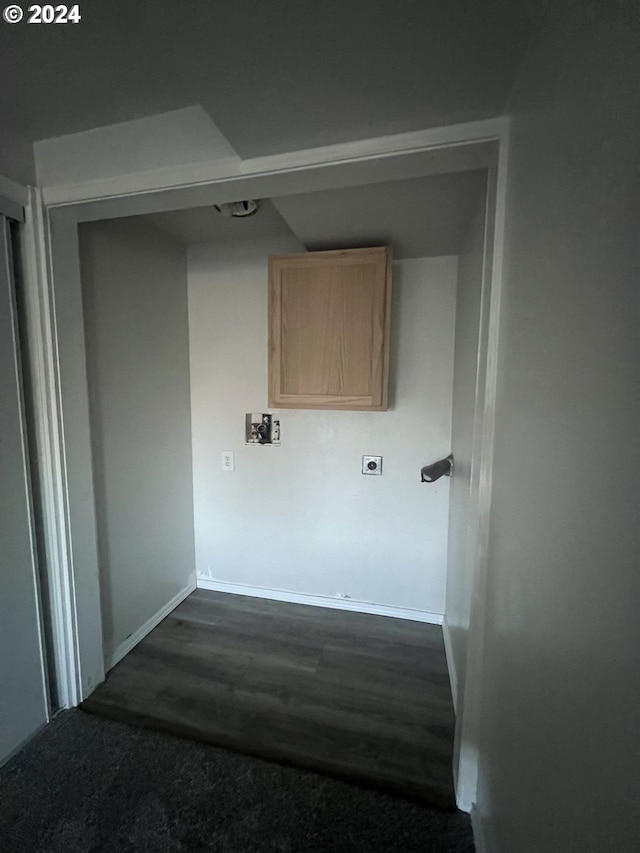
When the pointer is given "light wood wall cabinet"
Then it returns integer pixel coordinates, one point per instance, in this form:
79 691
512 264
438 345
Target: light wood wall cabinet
329 329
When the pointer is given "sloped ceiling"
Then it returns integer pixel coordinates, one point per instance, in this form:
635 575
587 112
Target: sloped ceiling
274 75
206 225
420 218
423 217
285 75
64 78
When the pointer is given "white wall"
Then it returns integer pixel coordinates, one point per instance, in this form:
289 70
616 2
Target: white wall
155 142
301 517
465 375
560 741
16 156
135 305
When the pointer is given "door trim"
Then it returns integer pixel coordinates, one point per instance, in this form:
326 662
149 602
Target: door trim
47 407
461 145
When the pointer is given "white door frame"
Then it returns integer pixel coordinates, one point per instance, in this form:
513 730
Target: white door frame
61 382
27 708
468 693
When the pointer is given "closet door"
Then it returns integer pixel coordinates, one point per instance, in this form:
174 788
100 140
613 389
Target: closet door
23 693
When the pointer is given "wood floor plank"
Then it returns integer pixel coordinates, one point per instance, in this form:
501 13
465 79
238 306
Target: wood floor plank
362 697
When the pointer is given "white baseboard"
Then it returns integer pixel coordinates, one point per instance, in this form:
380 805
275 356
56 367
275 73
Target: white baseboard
133 639
322 601
482 837
451 663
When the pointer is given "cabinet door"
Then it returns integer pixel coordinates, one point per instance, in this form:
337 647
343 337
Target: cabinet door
329 329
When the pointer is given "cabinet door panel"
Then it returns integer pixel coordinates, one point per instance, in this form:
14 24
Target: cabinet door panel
328 329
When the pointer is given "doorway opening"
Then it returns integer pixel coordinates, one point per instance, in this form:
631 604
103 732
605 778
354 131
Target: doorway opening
272 508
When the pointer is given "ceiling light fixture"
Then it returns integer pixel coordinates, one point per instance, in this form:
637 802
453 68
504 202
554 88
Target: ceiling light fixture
237 209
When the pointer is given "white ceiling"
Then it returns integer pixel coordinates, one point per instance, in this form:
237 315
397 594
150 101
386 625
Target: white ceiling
206 225
274 75
420 218
58 79
424 217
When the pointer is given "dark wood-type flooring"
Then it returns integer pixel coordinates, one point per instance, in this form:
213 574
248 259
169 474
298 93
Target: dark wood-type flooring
361 697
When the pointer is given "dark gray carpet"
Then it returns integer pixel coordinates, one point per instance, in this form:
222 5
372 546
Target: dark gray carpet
86 784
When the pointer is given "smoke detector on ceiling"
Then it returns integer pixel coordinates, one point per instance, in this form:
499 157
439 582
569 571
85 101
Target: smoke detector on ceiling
237 209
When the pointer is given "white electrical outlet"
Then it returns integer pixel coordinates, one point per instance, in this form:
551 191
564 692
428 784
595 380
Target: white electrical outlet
226 460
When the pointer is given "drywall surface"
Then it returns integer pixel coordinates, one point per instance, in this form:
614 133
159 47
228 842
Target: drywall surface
23 701
560 744
155 142
301 517
463 495
16 156
135 305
